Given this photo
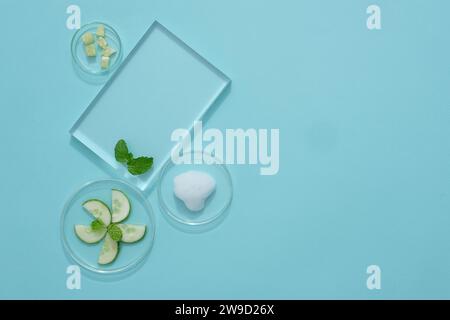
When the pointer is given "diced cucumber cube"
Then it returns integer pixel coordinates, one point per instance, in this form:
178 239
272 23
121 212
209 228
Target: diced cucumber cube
87 38
104 64
100 31
108 52
90 50
102 42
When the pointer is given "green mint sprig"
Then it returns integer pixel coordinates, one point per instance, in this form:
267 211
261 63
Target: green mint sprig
97 225
136 166
121 152
115 232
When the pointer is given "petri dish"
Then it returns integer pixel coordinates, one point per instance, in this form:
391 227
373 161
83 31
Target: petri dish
86 255
215 205
91 65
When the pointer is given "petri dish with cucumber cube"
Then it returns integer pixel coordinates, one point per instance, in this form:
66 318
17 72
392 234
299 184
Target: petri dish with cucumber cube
96 49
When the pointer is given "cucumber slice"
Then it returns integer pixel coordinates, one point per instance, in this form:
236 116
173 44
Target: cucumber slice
88 235
121 206
109 251
132 232
99 210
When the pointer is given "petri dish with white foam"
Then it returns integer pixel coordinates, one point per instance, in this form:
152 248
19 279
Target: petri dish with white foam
216 204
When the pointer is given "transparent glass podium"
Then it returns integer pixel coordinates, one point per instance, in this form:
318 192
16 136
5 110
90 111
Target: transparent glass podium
162 85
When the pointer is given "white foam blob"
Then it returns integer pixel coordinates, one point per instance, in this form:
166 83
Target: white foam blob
193 188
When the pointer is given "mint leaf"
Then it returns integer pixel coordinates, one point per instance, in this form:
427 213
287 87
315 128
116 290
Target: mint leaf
121 152
136 166
140 165
115 232
97 225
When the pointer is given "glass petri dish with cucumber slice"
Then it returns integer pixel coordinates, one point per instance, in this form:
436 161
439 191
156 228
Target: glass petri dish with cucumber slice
107 227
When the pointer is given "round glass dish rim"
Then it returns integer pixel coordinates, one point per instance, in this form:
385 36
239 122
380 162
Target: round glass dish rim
134 262
169 212
77 36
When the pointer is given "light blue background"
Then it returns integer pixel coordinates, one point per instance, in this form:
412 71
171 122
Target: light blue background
365 159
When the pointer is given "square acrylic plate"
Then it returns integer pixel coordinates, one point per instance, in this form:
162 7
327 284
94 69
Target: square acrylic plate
161 86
